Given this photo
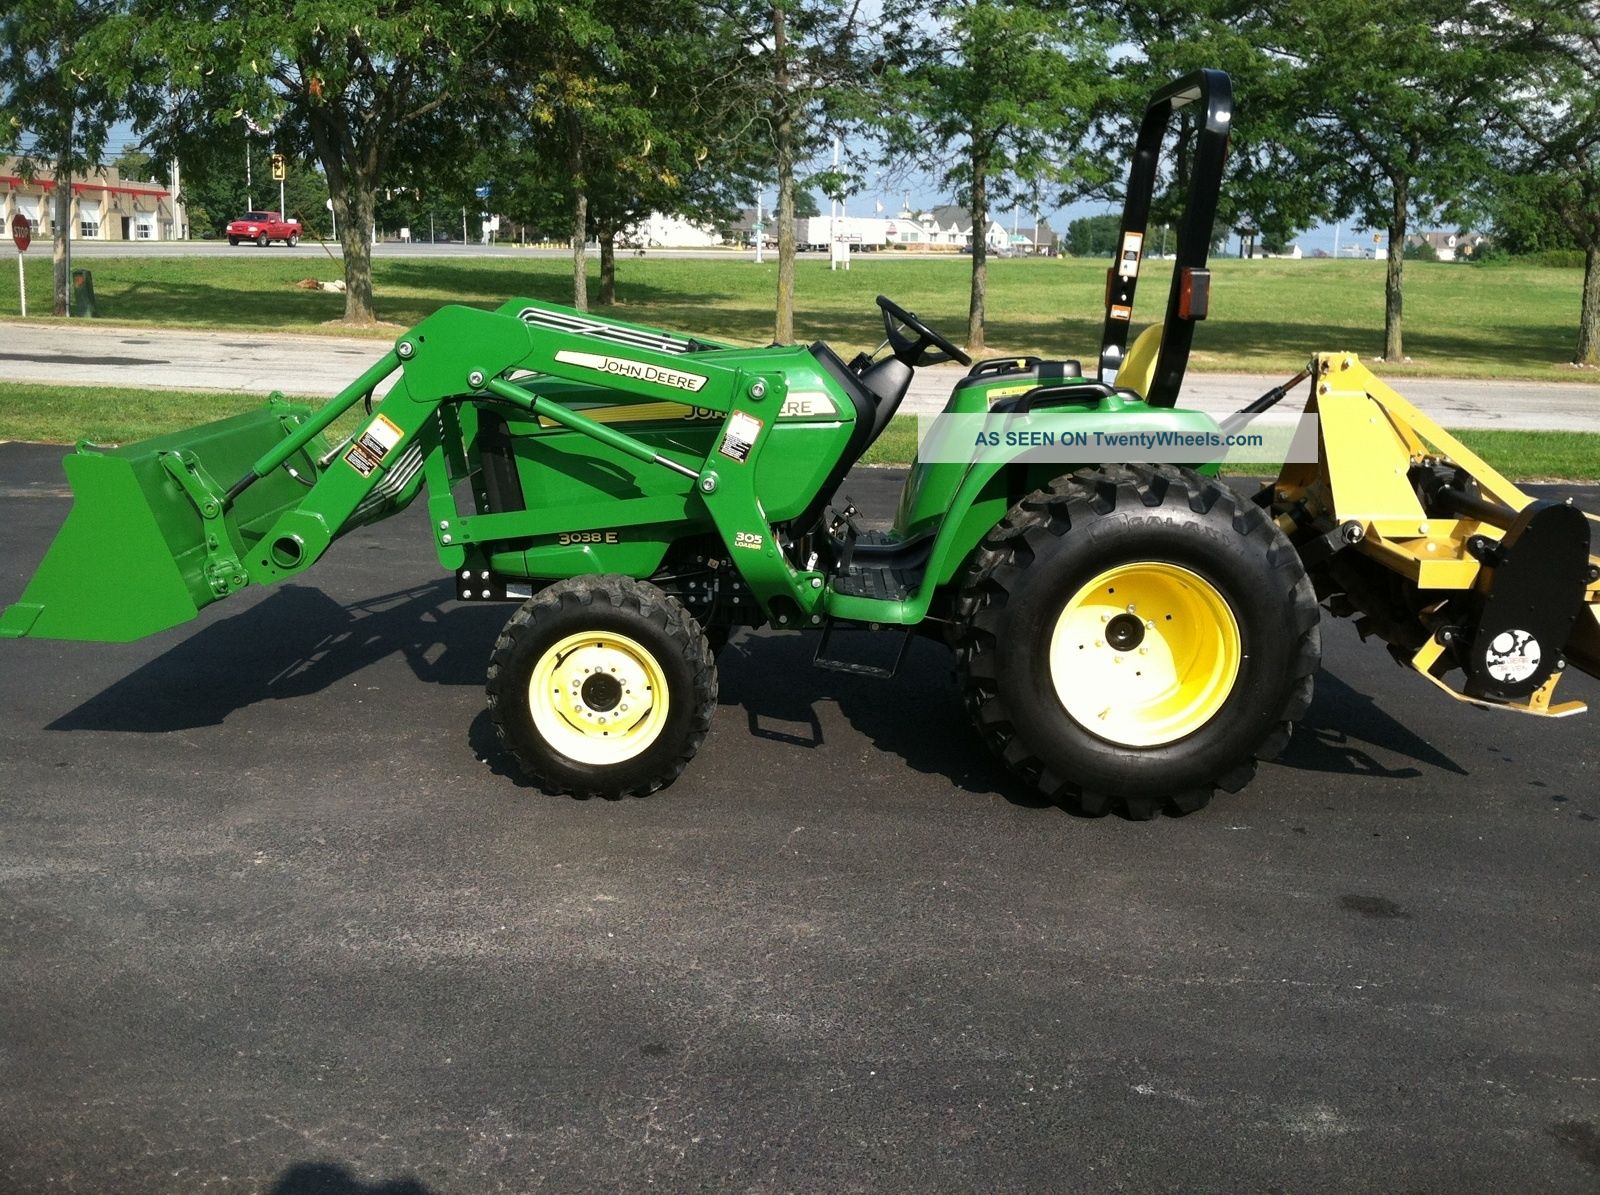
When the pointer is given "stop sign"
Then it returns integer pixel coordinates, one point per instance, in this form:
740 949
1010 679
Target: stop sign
21 232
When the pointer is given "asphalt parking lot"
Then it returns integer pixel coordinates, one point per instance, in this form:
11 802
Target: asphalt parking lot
273 918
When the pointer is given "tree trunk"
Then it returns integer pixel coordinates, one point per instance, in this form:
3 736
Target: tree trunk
1589 320
62 252
1394 282
580 213
980 253
783 145
608 267
354 203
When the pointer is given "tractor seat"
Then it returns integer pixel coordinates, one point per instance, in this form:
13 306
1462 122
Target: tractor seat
875 395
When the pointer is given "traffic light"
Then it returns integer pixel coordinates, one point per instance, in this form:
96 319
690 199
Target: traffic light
278 170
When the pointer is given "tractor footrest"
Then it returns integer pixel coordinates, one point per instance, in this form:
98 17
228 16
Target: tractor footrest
859 667
883 568
884 583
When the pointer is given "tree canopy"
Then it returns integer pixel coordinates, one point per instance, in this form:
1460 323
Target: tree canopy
997 99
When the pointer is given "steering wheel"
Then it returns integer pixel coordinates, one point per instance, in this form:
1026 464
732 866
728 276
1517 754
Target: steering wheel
929 348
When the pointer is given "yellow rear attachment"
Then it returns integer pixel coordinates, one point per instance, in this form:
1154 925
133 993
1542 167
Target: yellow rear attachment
1429 548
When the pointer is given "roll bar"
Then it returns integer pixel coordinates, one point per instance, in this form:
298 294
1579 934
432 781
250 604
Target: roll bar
1191 282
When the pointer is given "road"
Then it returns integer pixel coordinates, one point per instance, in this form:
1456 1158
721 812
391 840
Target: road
81 249
274 918
107 355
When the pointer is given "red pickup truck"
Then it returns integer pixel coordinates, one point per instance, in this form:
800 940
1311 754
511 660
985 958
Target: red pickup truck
263 228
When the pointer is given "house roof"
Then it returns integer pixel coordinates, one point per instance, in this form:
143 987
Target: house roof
948 214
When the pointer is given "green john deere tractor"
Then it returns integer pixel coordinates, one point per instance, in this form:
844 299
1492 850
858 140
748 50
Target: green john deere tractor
1126 634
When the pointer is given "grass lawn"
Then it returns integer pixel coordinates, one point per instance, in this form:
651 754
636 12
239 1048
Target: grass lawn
1268 316
64 414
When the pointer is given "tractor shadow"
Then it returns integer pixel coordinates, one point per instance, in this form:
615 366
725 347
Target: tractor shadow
296 642
1342 723
328 1178
915 716
918 716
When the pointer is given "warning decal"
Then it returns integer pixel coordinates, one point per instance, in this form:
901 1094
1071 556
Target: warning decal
381 435
362 461
374 443
1128 259
740 436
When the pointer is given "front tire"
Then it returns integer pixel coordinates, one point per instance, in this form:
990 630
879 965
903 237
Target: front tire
234 241
602 686
1136 636
263 241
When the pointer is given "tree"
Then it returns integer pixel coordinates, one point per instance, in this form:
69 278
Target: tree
801 71
366 85
805 206
996 98
1094 236
1275 181
215 191
627 120
54 116
1553 156
1277 240
1400 120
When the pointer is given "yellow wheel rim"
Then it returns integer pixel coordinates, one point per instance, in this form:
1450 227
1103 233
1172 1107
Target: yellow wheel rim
598 698
1145 654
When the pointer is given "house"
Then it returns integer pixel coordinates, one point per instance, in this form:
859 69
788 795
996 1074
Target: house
947 226
1042 240
741 229
1449 245
105 206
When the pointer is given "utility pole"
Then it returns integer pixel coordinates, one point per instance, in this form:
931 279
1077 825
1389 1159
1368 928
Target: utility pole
833 212
180 222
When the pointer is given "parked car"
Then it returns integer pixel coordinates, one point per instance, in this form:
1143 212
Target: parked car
263 228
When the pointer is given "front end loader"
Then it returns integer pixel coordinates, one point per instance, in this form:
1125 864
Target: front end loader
1127 634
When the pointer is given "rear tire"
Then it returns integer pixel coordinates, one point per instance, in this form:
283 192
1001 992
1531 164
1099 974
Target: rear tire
294 239
602 686
1148 709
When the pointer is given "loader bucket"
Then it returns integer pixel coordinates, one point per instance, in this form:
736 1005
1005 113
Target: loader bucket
149 540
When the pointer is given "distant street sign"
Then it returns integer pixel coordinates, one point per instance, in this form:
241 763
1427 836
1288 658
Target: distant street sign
483 191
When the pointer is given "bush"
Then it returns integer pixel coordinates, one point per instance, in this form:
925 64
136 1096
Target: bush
1420 250
1561 259
1491 253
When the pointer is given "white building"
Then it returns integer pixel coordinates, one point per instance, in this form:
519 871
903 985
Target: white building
662 231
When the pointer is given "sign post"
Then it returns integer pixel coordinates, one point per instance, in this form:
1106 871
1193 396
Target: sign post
22 234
